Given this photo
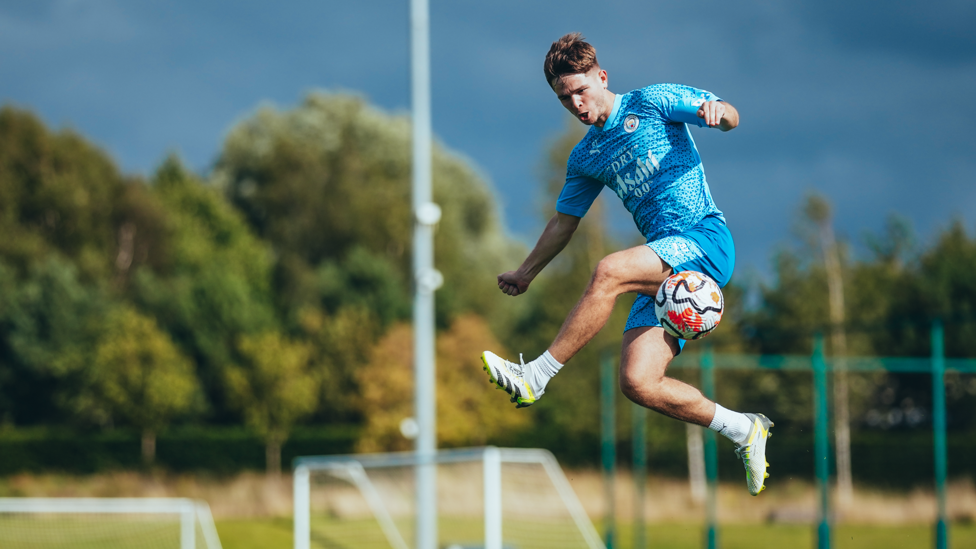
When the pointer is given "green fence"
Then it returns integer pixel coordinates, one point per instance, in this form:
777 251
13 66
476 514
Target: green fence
819 365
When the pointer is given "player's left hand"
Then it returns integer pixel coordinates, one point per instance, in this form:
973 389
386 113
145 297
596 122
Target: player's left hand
712 112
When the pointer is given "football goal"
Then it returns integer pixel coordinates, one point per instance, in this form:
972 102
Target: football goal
106 523
490 498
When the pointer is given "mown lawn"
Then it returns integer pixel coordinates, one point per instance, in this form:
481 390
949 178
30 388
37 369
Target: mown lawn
277 534
788 536
255 533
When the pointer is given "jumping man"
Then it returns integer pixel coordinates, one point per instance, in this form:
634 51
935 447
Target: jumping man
639 145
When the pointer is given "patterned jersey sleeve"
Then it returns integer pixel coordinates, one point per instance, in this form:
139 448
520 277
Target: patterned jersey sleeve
677 103
580 190
578 195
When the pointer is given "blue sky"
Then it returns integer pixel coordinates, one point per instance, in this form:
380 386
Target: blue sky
865 102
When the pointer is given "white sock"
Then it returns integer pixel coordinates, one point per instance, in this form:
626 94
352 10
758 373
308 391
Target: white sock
541 371
733 425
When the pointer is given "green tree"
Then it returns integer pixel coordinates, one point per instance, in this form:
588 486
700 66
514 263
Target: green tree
341 344
348 306
464 400
792 306
73 229
328 185
49 320
59 193
364 280
943 287
273 388
139 376
215 284
878 288
332 176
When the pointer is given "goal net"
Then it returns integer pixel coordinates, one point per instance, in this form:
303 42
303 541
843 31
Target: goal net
106 523
491 498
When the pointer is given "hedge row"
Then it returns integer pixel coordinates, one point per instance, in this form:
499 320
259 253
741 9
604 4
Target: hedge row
215 450
880 459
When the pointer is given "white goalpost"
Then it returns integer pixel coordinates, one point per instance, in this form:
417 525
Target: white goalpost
490 498
123 523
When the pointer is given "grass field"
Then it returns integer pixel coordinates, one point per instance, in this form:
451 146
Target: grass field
277 534
251 512
255 533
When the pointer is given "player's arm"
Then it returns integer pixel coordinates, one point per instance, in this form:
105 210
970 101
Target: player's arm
692 106
719 114
554 238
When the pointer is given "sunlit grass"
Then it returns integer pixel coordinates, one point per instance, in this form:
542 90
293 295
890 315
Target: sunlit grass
264 533
277 534
776 536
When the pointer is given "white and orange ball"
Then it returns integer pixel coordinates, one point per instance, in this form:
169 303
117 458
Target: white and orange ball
689 305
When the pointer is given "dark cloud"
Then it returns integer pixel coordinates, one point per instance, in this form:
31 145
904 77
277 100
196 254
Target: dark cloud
930 32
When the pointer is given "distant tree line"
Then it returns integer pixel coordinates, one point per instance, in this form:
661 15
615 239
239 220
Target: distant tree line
259 296
275 292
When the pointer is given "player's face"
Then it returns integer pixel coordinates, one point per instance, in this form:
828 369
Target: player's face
584 96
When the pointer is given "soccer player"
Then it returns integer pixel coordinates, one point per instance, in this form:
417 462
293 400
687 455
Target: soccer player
639 145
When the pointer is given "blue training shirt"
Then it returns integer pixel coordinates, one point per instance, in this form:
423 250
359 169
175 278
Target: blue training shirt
646 155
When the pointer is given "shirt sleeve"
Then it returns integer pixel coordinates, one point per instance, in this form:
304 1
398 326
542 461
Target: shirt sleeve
578 195
680 103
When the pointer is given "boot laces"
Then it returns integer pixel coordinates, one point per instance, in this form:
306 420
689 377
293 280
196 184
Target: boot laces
516 369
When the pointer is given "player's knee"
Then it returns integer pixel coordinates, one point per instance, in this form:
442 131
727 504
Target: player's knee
630 389
640 387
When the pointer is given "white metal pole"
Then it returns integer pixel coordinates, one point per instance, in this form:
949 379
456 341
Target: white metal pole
188 534
302 510
493 498
426 279
558 478
205 518
355 474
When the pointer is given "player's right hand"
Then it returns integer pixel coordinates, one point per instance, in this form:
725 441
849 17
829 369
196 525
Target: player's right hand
512 284
712 112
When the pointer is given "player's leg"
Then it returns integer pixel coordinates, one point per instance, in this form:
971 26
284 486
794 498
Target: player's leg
636 269
644 358
647 351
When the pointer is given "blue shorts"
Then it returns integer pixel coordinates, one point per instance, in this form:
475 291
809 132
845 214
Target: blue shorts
707 248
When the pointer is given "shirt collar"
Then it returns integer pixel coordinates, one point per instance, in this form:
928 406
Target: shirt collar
612 119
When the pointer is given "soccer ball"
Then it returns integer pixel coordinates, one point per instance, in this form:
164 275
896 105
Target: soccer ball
689 305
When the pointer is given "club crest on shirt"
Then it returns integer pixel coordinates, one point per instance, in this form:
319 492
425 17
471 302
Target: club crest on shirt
631 123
